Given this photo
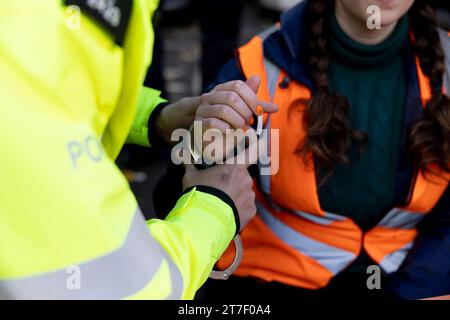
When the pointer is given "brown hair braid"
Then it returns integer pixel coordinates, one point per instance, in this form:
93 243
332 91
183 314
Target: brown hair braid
429 137
329 134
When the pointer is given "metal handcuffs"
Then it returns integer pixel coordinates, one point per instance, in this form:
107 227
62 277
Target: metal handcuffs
225 274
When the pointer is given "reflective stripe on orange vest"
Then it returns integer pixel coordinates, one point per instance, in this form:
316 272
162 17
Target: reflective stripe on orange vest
292 240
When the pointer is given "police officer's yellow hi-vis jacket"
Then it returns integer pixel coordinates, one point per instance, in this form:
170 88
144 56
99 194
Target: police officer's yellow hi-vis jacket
70 96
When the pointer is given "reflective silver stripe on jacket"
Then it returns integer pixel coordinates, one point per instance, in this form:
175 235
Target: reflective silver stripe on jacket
272 70
325 220
332 258
268 32
393 261
401 219
116 275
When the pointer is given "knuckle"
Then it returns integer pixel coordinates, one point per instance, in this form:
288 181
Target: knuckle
204 98
218 87
237 85
232 98
227 97
222 111
248 111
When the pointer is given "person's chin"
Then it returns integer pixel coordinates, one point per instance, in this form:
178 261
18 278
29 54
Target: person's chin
388 19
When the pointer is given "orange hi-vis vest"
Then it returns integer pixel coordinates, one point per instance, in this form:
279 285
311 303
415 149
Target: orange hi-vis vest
292 240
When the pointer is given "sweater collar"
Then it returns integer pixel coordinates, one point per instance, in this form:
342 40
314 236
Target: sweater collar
358 55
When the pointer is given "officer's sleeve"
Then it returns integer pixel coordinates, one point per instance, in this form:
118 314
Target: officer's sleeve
64 203
185 235
70 227
426 271
150 101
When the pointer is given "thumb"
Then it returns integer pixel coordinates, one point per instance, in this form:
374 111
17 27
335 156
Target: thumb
269 107
254 82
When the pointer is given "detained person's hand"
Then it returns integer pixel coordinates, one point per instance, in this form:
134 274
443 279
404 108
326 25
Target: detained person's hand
232 105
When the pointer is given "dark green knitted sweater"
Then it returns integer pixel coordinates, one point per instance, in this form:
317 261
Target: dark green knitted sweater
373 79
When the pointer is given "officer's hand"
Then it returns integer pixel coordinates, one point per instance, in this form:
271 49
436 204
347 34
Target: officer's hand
234 180
232 105
177 115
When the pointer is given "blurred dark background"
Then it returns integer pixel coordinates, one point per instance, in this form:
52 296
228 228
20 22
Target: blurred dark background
194 39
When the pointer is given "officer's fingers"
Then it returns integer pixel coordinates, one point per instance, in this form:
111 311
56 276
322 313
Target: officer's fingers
244 91
254 82
233 100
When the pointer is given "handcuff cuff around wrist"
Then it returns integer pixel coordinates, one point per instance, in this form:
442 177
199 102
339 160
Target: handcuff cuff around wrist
225 274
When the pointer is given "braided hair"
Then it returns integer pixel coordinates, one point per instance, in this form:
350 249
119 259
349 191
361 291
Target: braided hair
328 131
429 137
